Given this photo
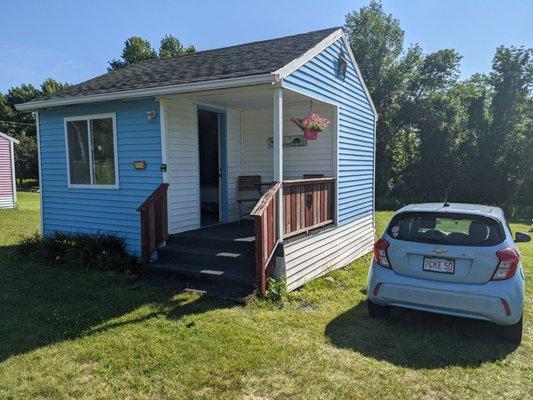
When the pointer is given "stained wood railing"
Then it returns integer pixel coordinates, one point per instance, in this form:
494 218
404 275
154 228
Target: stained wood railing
307 204
266 238
154 222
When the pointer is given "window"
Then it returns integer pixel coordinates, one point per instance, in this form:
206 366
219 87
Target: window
446 228
91 150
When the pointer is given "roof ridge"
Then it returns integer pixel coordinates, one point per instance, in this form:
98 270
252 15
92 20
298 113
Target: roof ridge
227 47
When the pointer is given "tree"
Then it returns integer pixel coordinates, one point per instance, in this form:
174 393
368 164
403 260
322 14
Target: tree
21 125
26 160
511 131
170 46
376 39
51 86
135 49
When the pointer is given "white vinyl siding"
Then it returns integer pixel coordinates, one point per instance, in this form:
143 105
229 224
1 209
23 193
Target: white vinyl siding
234 161
317 157
325 251
182 166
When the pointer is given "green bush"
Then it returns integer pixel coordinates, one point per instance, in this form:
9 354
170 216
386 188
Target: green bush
277 290
81 251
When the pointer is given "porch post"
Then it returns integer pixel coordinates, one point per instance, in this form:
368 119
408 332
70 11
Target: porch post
278 156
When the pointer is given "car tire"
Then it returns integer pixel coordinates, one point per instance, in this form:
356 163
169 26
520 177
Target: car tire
377 311
513 333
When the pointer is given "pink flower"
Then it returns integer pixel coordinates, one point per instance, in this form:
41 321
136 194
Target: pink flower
312 122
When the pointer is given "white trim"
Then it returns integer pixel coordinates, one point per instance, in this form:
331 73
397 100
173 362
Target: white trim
163 128
336 156
38 134
88 118
360 76
241 116
314 96
308 55
374 180
13 178
278 155
11 139
198 182
148 92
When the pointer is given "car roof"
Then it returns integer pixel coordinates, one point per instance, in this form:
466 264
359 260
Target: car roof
459 208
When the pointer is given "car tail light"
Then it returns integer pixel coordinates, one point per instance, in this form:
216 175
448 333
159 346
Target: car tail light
507 265
380 253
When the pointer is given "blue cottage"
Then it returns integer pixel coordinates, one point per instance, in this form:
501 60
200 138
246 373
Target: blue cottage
196 161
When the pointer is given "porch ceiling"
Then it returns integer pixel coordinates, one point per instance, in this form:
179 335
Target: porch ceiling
244 99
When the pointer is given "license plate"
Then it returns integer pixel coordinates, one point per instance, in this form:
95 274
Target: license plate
442 265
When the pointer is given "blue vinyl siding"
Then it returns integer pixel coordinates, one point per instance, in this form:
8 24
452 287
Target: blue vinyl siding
318 78
106 210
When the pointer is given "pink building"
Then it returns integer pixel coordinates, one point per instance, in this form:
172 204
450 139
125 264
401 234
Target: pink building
8 189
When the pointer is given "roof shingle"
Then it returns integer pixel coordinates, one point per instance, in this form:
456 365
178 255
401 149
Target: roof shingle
256 58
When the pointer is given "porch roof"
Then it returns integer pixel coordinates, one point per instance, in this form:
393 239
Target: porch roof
232 64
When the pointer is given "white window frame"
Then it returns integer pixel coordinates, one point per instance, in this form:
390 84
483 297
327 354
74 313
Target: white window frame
88 118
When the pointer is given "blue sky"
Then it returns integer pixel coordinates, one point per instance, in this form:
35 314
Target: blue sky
72 41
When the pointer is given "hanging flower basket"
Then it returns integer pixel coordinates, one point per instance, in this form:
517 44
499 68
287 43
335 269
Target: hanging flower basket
312 125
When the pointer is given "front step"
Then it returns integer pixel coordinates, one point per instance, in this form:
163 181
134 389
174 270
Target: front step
205 255
220 257
202 273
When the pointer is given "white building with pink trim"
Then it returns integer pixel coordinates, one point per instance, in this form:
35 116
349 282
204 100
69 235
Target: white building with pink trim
8 188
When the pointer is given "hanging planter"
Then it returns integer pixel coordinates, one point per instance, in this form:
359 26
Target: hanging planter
311 125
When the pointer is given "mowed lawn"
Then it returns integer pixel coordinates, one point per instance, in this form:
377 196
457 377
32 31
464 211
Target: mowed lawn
68 334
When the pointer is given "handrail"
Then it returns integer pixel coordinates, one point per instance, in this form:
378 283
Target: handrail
266 238
307 204
154 222
293 182
264 201
157 192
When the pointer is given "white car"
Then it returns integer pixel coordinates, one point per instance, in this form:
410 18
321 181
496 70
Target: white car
455 259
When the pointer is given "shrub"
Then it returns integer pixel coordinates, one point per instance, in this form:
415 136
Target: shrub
277 290
81 251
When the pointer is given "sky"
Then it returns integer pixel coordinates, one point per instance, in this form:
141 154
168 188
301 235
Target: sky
72 41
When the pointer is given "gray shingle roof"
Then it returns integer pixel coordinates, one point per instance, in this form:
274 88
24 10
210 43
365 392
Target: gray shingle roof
256 58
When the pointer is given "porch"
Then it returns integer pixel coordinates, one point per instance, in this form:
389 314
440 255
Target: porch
253 136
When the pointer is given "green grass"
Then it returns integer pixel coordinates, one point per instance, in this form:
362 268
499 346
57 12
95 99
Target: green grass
67 334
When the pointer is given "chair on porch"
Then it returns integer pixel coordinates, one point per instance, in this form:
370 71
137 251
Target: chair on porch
247 184
313 176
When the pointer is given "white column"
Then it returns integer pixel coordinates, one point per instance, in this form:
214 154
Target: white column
163 128
278 154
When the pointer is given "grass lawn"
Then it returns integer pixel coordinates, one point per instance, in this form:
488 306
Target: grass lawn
68 334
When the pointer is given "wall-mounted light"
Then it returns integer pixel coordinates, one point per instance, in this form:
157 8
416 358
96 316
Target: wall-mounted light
139 164
151 115
342 65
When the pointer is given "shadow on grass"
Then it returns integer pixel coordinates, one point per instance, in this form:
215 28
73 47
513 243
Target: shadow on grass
40 306
418 340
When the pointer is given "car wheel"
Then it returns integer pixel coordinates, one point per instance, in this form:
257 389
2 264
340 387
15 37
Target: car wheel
377 311
513 333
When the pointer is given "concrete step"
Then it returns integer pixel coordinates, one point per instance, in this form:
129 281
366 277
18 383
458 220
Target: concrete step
203 254
237 275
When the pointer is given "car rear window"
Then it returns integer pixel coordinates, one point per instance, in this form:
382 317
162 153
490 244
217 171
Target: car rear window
446 228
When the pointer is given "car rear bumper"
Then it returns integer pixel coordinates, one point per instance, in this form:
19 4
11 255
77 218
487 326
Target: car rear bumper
479 301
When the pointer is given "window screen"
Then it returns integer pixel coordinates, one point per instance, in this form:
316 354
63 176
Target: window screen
91 151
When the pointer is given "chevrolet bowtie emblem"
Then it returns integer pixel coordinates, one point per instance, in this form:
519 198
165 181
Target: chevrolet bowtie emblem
438 251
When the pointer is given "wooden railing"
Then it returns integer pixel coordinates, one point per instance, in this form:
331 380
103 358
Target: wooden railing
266 238
154 222
307 204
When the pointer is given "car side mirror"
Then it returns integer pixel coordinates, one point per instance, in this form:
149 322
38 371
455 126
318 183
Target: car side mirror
521 237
